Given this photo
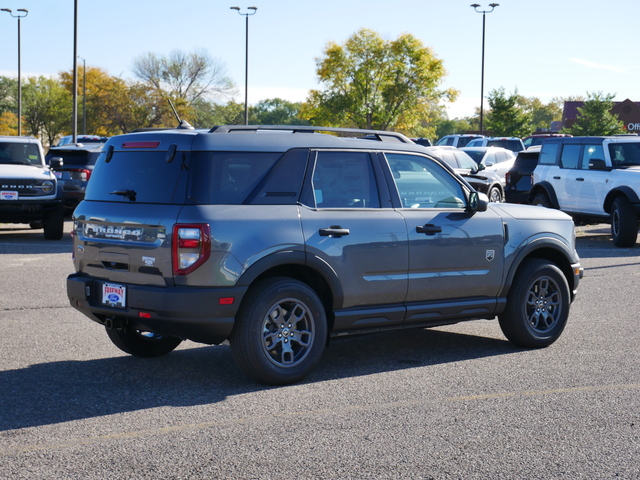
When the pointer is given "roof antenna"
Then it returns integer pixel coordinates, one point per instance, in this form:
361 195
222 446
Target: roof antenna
182 124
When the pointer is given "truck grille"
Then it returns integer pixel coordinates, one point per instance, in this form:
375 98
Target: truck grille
24 187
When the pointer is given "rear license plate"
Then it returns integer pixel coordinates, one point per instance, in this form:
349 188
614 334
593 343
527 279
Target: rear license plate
114 295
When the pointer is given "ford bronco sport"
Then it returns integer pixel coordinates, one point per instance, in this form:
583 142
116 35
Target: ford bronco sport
279 238
29 191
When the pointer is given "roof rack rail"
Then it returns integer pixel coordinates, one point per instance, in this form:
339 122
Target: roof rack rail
379 135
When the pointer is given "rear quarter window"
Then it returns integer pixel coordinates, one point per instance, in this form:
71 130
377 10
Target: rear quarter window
549 154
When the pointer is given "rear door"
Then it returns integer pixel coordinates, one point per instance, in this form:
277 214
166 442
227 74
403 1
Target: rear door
348 224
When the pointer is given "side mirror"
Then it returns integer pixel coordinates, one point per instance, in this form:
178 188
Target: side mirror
56 162
597 164
478 202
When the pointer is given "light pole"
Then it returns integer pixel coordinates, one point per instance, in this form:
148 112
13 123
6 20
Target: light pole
483 12
19 16
84 95
246 61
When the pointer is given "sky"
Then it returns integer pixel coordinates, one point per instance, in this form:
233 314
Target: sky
544 48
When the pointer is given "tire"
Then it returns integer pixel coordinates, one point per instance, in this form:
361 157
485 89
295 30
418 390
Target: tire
53 223
280 331
537 305
542 200
142 344
495 195
624 223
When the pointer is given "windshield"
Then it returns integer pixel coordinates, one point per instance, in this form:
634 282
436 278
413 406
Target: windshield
77 158
624 154
19 153
477 155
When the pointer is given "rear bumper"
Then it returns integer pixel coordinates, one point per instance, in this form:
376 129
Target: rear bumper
193 313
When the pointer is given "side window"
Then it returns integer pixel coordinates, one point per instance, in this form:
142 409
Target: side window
344 180
423 183
570 156
548 154
590 152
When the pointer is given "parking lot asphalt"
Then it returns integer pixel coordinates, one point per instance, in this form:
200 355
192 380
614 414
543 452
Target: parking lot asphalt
455 402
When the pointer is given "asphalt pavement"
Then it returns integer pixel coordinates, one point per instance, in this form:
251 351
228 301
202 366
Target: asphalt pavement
456 402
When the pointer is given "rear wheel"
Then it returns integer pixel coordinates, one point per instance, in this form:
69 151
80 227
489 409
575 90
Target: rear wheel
280 331
495 195
537 305
142 344
624 223
542 200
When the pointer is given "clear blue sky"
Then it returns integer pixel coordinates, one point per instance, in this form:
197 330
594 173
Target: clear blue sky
544 48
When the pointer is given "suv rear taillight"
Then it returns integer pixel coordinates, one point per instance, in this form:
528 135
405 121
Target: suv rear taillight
191 246
80 174
507 178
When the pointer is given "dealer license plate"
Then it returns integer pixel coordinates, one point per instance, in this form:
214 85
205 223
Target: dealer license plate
114 295
8 195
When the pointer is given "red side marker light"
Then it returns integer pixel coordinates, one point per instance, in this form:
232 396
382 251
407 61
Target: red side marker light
226 300
144 314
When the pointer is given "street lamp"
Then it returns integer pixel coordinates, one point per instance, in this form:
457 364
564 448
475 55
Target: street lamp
24 13
246 64
483 12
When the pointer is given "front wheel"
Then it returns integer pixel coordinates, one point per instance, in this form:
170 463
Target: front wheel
537 305
142 344
624 223
280 331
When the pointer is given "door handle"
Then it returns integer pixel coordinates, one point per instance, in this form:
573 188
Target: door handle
429 229
334 231
579 179
556 178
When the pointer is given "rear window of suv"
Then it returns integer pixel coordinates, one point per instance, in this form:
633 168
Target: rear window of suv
77 158
513 145
147 175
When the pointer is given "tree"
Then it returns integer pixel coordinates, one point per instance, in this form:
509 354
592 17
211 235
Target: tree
542 115
373 83
184 76
276 111
595 117
506 117
46 108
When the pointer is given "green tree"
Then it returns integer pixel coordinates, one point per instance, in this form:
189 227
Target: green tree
46 108
276 111
373 83
8 94
595 117
542 114
506 117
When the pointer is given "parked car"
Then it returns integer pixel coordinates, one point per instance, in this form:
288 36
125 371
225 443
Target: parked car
487 182
457 140
68 139
592 179
495 159
72 166
29 191
539 138
425 142
279 238
510 143
519 178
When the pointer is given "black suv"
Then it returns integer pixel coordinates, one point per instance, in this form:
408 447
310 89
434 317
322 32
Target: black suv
279 238
72 165
519 178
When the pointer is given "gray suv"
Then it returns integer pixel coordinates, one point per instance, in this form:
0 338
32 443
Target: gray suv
280 238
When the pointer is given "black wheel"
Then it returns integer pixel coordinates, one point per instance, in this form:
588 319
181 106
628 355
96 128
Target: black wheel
280 331
53 223
142 344
624 223
537 305
542 200
495 195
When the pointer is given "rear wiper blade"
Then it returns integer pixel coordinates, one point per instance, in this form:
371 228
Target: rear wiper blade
130 194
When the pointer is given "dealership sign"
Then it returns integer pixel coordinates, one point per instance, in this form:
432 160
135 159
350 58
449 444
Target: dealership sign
633 127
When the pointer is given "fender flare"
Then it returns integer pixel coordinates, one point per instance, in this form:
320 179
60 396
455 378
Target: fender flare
620 191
